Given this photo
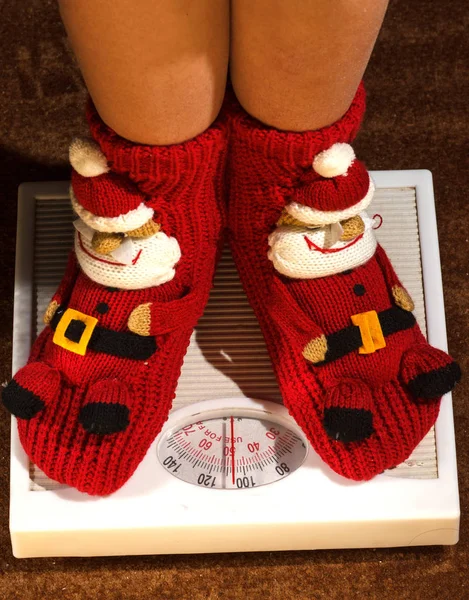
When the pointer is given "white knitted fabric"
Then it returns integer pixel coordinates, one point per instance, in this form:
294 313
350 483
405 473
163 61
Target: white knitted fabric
87 158
312 216
293 252
151 260
334 161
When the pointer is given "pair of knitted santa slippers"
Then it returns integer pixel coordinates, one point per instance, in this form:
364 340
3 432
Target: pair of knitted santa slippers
354 369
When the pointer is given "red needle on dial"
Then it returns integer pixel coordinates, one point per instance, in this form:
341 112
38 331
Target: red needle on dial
232 451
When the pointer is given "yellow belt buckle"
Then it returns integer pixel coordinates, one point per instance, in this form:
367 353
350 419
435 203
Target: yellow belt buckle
59 336
370 331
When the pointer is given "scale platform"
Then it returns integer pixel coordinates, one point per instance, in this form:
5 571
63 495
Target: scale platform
180 503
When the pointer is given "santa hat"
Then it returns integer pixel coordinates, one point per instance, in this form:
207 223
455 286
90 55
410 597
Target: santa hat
337 188
104 200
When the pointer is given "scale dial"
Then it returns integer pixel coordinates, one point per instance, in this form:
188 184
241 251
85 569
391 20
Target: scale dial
232 451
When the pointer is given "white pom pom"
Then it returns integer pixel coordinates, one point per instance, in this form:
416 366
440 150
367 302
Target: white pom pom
334 161
86 158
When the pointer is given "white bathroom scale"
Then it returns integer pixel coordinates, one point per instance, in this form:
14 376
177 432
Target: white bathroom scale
231 471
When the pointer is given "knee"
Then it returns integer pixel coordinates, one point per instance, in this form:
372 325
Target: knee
158 115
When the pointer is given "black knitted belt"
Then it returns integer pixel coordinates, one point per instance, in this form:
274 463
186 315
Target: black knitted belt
349 339
78 332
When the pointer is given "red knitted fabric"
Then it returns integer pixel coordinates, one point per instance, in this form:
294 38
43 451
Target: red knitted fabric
88 421
108 195
388 399
333 194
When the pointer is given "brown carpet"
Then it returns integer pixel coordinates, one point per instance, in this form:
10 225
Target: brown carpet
418 83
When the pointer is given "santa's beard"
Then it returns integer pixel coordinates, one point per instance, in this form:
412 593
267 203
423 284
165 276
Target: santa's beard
152 262
296 251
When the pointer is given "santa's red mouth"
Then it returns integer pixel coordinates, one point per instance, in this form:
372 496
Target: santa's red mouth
312 246
103 260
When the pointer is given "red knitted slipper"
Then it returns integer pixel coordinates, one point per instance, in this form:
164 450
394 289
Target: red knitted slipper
354 369
102 375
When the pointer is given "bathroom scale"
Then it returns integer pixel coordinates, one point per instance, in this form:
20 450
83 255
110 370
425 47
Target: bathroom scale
231 471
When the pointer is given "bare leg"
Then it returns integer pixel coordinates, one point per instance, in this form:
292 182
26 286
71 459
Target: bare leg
296 65
156 69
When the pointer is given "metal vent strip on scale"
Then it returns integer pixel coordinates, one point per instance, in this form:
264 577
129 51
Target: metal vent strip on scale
227 357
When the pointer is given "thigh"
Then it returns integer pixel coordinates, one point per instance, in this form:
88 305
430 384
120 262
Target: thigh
156 69
296 65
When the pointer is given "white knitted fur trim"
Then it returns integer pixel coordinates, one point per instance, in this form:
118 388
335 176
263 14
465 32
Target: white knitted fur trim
294 251
87 158
312 216
334 161
153 264
123 223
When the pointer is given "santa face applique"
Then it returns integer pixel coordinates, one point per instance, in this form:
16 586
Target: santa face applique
303 252
132 263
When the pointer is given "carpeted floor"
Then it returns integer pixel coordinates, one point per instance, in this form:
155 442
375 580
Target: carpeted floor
418 84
